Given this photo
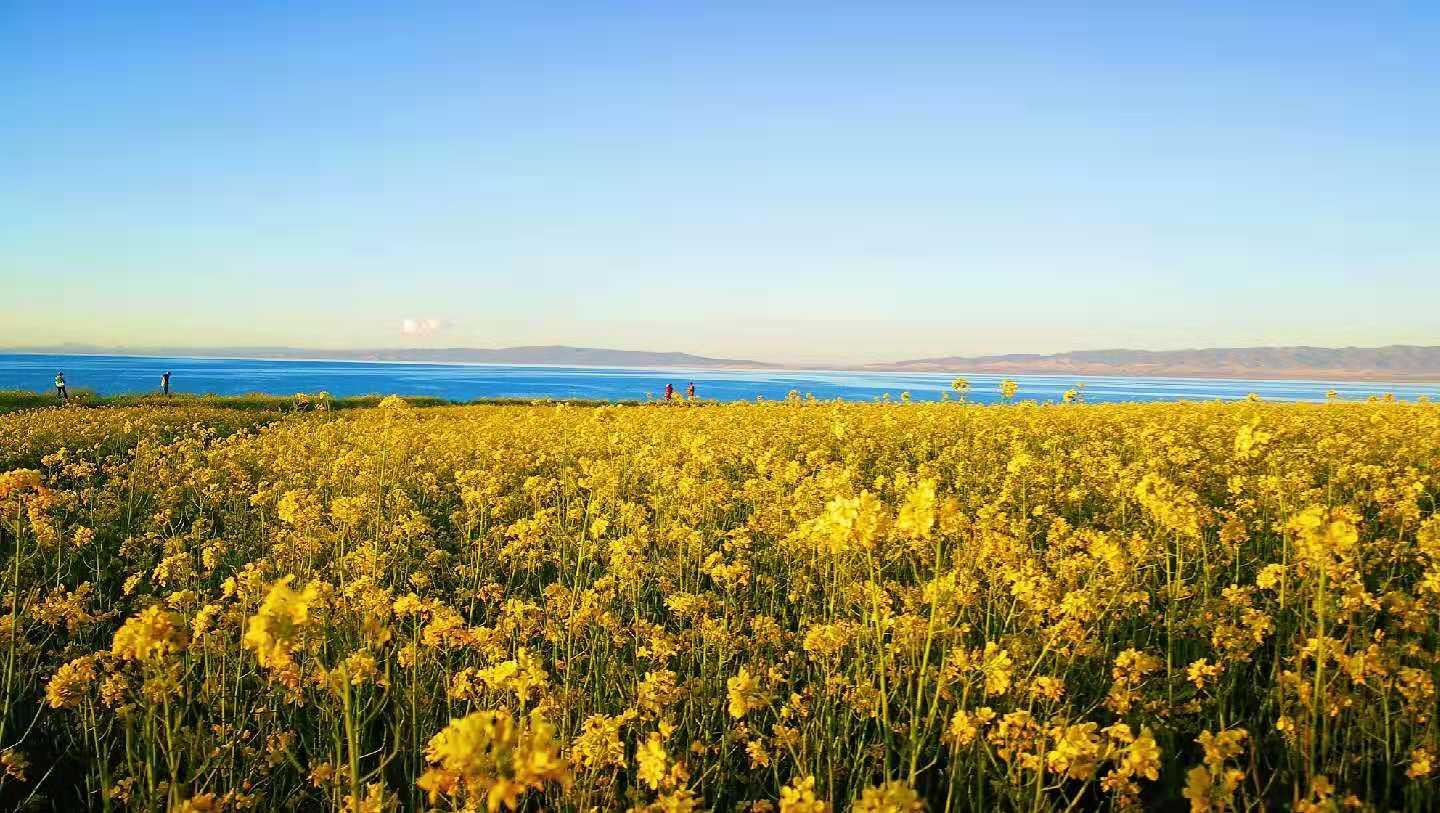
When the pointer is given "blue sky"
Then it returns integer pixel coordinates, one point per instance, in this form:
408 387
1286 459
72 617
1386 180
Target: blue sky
797 181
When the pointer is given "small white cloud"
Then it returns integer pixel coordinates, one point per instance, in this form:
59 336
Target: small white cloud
421 327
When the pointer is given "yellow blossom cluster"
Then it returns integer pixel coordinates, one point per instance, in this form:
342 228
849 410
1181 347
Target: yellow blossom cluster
799 606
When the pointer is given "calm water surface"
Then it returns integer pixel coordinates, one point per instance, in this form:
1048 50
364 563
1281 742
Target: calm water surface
111 375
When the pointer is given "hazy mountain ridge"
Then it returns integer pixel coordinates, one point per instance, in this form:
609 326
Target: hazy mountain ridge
536 354
1396 362
1399 361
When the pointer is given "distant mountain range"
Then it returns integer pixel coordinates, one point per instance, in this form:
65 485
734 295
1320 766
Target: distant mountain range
1395 362
546 354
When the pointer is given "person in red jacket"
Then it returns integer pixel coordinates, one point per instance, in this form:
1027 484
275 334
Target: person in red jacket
669 391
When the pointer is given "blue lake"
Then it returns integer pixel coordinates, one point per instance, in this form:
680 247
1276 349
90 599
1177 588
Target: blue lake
110 375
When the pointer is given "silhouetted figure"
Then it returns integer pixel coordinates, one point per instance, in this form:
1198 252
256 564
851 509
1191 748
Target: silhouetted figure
165 383
690 391
60 387
669 392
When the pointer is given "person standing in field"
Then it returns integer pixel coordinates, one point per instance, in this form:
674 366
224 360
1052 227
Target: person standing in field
165 384
669 391
60 387
690 391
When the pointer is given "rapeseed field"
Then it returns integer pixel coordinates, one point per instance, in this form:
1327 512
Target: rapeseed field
797 607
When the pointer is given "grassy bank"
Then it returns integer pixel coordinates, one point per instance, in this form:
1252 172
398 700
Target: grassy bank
12 400
16 400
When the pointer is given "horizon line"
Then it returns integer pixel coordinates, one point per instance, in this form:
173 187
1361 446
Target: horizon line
1217 375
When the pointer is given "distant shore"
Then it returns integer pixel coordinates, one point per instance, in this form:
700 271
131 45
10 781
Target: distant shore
1229 374
1038 367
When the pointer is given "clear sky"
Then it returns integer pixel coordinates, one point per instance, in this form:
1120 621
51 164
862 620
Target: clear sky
788 181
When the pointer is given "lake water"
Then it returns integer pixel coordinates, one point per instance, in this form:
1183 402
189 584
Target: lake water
110 375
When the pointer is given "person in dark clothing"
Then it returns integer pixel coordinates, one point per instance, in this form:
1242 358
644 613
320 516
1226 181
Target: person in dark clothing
60 387
690 391
165 383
